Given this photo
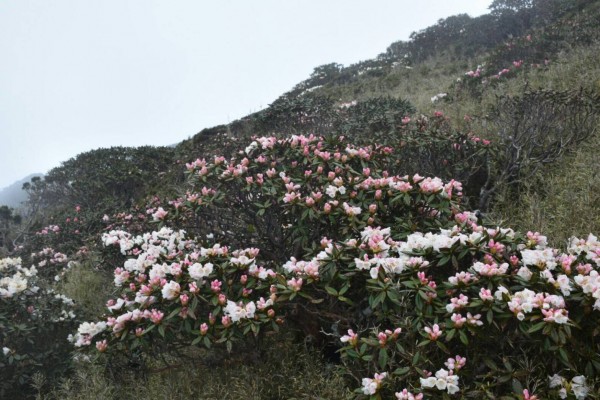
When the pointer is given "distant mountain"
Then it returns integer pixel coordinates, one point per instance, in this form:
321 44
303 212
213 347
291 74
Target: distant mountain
13 195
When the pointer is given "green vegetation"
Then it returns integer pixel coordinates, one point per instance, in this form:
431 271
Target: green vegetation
507 103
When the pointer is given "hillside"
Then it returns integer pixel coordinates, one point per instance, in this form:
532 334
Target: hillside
366 236
451 68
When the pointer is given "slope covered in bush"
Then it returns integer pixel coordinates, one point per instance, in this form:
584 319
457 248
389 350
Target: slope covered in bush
389 268
337 218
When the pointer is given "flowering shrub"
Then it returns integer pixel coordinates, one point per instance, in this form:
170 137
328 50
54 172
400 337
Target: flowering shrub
288 193
430 302
33 323
281 209
440 299
412 287
174 288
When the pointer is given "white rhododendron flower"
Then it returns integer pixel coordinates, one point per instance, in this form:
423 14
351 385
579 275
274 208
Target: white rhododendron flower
171 290
198 271
539 258
237 312
579 387
443 380
86 332
371 386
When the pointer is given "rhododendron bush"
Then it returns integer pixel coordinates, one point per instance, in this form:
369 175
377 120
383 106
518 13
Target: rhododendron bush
428 307
34 320
288 193
420 299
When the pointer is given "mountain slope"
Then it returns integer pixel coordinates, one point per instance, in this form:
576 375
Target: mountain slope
13 195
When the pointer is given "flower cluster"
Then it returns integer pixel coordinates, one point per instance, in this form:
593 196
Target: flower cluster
577 386
371 385
14 278
171 282
443 380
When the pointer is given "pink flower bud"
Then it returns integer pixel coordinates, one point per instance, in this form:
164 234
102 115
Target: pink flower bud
203 329
102 346
226 321
184 298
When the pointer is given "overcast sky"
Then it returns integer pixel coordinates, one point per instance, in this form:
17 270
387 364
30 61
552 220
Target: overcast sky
79 75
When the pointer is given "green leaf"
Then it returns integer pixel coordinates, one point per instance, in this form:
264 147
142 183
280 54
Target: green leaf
363 348
401 371
393 296
196 341
563 355
450 334
344 289
491 364
149 329
378 299
517 386
536 327
463 338
415 358
443 347
444 260
383 358
174 313
331 291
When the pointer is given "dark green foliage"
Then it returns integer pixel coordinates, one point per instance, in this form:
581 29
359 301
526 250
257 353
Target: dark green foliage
34 324
9 220
117 175
302 114
376 115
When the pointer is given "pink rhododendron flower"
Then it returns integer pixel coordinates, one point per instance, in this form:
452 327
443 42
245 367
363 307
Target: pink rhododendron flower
434 332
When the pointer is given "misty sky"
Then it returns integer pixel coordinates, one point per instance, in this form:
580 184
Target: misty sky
78 75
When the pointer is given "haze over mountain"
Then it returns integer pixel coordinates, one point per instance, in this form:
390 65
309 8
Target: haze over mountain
80 75
13 195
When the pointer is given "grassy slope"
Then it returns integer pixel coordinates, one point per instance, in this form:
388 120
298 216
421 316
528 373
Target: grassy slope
563 200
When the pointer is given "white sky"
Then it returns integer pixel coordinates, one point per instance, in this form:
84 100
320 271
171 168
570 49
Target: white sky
79 75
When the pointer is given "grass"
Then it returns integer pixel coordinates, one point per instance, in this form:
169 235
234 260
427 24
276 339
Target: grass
90 288
561 201
287 371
